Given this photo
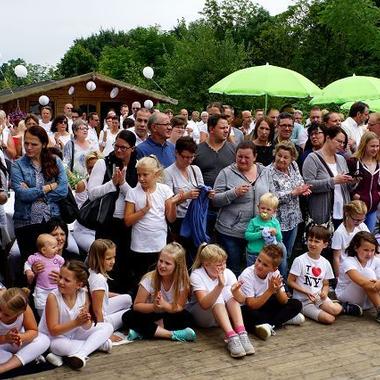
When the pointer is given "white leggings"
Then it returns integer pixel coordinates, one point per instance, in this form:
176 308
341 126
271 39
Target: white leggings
117 306
353 293
26 353
82 342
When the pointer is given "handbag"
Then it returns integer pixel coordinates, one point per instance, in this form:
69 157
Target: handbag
93 214
99 211
68 207
309 222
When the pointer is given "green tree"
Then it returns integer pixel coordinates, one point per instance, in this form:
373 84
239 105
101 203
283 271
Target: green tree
198 61
77 60
36 73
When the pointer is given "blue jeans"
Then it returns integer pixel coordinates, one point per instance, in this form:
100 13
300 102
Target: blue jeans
235 248
288 239
251 258
370 220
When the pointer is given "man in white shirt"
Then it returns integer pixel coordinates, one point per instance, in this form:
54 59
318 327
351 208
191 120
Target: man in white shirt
93 125
357 117
124 110
135 107
247 122
141 125
67 112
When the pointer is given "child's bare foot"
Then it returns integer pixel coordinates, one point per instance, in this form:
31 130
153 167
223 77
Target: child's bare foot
115 338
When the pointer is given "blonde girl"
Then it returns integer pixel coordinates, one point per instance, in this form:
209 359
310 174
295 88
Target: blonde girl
107 306
212 301
359 279
68 320
353 222
158 310
20 341
148 208
365 167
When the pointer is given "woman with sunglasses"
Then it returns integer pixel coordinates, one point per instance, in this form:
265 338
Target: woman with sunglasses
59 128
116 172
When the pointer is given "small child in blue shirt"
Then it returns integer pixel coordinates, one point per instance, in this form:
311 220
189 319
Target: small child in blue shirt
263 229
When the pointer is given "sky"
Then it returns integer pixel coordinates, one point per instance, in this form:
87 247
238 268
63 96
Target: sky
41 31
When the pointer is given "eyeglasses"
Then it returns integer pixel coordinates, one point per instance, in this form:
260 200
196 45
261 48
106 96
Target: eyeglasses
357 220
135 108
83 128
190 158
286 126
164 124
122 148
316 133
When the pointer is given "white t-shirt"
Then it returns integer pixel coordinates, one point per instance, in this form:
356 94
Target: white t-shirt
338 195
254 286
149 233
352 263
147 284
200 280
342 238
310 274
98 281
46 126
110 139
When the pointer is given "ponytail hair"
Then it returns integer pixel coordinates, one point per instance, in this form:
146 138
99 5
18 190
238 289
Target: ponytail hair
15 299
81 274
209 253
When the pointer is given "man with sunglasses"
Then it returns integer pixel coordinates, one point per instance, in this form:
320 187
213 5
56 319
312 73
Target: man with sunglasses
135 107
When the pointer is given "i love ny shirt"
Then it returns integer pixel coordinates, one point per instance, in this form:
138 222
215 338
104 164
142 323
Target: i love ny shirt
310 274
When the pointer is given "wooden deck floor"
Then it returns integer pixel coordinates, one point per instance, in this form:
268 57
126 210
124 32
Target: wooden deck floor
349 349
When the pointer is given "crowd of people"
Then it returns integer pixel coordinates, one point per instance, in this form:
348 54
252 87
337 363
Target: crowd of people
196 225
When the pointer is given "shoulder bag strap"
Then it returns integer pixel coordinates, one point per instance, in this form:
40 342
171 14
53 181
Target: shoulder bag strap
332 176
72 156
195 176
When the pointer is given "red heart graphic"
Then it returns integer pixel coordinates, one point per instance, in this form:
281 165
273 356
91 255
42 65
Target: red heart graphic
316 271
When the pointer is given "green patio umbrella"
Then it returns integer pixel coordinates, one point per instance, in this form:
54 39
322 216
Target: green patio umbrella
266 80
373 105
349 89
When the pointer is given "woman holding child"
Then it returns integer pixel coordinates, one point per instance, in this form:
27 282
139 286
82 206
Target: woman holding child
39 181
234 188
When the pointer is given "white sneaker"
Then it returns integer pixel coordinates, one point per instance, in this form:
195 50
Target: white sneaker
54 359
106 346
264 331
297 320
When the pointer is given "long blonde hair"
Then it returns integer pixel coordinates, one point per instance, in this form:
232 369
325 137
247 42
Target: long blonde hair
209 253
181 281
366 138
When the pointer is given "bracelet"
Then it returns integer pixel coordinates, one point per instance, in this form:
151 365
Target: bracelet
50 187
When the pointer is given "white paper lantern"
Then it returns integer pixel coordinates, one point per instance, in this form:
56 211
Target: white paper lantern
43 100
114 92
91 86
71 90
21 71
148 72
148 104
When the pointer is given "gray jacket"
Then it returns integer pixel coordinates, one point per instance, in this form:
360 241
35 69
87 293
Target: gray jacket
235 212
320 200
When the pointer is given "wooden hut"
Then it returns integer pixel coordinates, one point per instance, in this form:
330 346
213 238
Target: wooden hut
26 98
